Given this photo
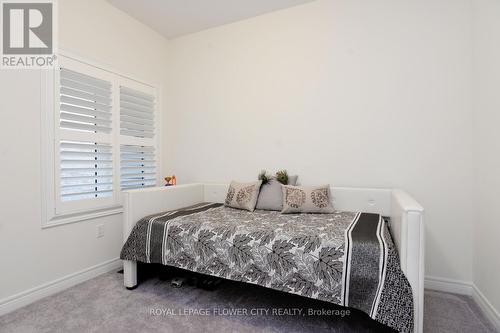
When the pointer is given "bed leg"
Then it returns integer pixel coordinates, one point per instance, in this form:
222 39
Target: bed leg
130 274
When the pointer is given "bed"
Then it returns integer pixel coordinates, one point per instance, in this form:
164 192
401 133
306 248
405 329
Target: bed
347 257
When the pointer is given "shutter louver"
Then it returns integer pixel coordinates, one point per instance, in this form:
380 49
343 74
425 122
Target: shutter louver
104 139
138 166
85 102
136 113
86 170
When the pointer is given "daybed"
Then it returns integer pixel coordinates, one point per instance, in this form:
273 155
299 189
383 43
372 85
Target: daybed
347 257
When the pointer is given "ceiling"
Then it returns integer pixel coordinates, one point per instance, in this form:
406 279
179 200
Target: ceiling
174 18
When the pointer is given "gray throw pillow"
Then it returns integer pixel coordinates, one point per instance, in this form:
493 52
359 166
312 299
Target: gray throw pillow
307 199
271 195
243 195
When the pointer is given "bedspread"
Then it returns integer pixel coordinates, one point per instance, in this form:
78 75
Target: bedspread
345 258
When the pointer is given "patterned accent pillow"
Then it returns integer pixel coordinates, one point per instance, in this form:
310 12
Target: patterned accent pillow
243 195
270 196
307 199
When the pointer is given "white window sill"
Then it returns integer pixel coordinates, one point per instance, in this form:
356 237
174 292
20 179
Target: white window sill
73 218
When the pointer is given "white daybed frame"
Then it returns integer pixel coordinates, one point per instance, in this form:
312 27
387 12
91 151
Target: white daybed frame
406 215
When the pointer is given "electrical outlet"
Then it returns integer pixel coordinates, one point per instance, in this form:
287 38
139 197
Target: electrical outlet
100 230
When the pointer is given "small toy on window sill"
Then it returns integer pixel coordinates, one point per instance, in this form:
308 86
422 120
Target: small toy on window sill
171 180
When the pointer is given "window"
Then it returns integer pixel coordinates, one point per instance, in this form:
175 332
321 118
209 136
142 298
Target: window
137 167
86 170
137 129
102 138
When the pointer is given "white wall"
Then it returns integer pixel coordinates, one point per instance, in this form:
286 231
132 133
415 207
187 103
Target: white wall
30 256
352 93
487 110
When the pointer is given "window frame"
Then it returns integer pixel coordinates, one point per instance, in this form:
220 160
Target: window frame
54 212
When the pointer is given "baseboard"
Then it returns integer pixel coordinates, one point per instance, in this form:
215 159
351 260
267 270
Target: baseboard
448 285
22 299
489 311
465 288
32 295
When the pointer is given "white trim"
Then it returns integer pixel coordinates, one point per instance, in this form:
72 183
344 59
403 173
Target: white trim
77 211
32 295
448 285
488 309
106 67
47 139
159 135
465 288
82 217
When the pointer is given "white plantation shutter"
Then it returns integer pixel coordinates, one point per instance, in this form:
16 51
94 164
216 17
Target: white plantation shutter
101 139
86 170
137 129
138 167
85 139
85 102
136 113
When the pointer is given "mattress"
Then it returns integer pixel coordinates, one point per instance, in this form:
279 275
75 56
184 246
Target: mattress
346 258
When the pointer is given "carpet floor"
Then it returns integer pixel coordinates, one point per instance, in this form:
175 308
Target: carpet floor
104 305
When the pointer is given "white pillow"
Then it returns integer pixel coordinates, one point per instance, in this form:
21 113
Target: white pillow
243 195
307 199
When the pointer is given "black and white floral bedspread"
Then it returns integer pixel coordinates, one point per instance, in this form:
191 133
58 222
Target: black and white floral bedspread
304 254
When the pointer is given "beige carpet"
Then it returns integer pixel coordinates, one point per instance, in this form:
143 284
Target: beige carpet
103 305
